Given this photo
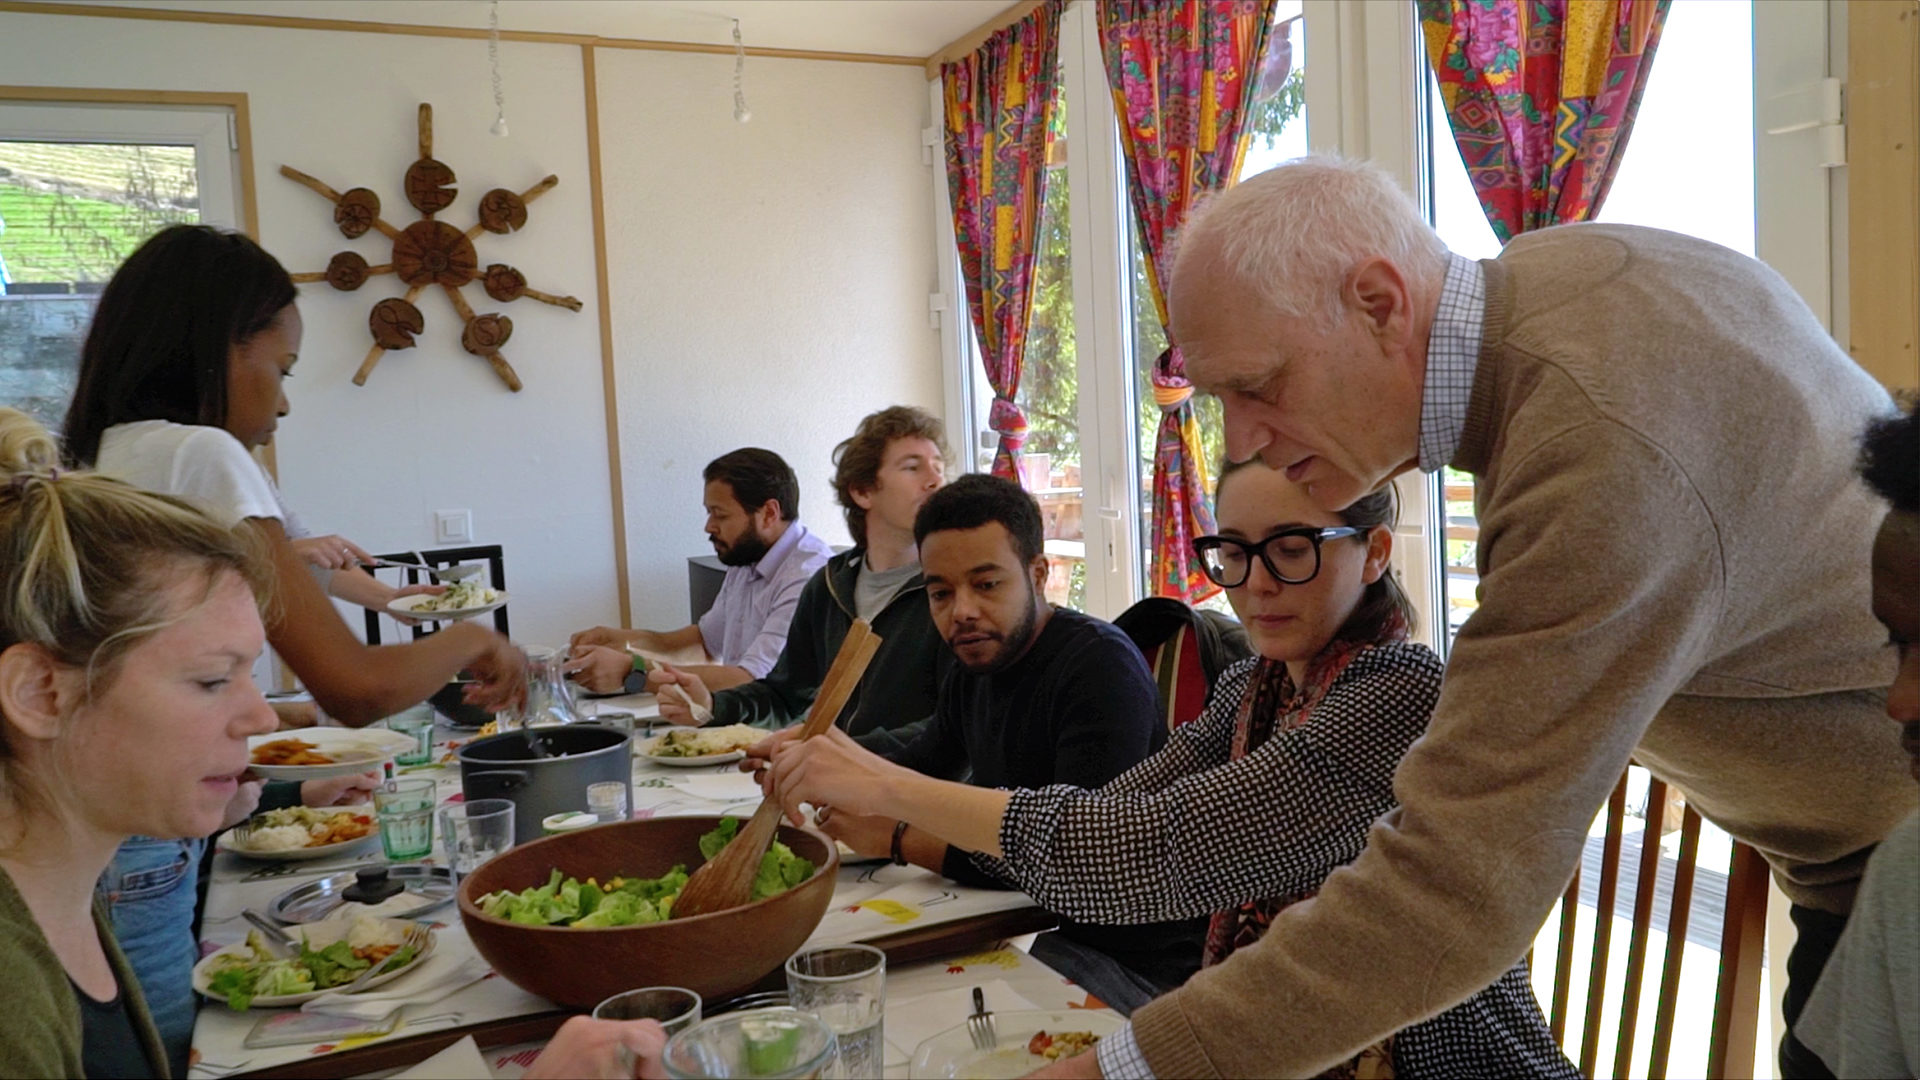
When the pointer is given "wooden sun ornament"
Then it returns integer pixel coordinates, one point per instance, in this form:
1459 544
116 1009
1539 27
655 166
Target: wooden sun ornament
428 253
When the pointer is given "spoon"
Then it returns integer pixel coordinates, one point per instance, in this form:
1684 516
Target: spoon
726 880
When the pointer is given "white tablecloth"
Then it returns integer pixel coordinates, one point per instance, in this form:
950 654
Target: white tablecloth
871 900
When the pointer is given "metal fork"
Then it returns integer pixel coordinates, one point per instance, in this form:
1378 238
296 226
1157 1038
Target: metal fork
279 945
980 1024
442 575
416 937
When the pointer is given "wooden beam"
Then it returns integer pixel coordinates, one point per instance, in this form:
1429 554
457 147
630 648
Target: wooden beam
1883 189
540 37
609 385
978 36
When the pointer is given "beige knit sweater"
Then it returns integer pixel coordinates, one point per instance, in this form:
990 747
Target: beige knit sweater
1674 566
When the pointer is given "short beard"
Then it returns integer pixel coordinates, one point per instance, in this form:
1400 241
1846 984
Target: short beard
746 551
1015 644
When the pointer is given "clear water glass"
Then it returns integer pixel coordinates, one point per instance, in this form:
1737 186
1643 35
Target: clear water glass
607 800
764 1044
417 724
676 1007
404 809
845 986
474 831
549 700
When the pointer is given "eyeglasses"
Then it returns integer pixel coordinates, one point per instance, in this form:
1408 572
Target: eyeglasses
1292 556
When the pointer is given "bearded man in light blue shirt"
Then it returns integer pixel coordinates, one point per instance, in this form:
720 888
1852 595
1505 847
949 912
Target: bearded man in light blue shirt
753 508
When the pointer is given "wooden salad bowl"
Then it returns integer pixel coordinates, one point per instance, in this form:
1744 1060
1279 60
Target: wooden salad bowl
714 955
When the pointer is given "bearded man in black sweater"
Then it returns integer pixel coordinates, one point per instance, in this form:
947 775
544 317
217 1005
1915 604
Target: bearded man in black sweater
1039 695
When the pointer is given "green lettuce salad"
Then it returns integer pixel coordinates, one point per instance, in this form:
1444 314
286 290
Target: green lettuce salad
624 901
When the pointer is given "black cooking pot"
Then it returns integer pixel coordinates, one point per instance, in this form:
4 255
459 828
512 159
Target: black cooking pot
545 770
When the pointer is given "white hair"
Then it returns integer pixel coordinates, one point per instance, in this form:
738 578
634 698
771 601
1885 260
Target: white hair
1294 231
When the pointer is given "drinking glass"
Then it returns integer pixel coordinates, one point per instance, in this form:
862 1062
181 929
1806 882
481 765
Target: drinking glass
474 831
417 724
405 811
765 1044
607 800
845 986
676 1007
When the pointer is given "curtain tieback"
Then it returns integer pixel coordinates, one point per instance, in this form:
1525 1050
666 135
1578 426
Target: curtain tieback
1006 418
1170 398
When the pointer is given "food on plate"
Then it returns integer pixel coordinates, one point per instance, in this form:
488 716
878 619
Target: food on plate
459 596
684 742
624 901
288 752
1063 1044
251 972
298 827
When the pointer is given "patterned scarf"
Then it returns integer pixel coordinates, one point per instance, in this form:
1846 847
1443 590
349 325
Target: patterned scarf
1274 704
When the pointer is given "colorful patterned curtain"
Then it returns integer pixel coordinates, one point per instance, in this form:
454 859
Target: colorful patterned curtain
1541 95
1183 74
1000 104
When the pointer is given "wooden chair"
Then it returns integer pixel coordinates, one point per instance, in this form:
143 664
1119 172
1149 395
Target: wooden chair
1742 937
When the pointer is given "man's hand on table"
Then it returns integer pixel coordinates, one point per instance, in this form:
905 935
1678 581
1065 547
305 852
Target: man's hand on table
609 637
603 1050
674 709
599 668
339 790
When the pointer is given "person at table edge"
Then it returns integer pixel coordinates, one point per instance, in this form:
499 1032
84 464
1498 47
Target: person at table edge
1863 1018
1038 695
882 474
753 510
1673 567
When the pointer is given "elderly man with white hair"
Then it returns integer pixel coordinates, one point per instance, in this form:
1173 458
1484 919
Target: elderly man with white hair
1674 569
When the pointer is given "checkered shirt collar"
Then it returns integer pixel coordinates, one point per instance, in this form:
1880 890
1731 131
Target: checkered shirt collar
1453 352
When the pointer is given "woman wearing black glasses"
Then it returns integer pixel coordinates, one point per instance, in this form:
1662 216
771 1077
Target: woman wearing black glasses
1248 808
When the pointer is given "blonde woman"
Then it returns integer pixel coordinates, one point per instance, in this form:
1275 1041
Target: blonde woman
129 623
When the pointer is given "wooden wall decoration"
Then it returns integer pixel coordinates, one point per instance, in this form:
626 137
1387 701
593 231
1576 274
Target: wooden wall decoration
431 253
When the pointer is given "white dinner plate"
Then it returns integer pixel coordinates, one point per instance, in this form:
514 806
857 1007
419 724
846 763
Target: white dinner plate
297 854
645 747
317 934
951 1055
352 750
407 606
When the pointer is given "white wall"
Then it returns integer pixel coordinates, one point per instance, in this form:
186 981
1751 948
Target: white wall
754 270
773 282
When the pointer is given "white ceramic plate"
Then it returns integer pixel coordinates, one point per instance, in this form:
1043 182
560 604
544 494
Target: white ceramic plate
406 605
321 934
352 750
229 841
645 747
950 1055
299 854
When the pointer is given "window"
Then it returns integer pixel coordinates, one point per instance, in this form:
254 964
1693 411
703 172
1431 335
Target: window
1279 124
80 188
1695 121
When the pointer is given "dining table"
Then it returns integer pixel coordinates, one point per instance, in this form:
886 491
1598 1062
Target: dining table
941 938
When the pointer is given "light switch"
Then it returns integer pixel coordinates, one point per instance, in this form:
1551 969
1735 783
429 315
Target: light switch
453 526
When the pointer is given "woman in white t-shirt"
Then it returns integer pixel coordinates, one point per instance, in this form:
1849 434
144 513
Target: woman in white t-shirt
180 378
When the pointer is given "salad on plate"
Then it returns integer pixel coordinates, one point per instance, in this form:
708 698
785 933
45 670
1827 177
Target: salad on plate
246 975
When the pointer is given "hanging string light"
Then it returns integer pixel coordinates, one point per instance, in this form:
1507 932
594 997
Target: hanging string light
740 111
493 61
